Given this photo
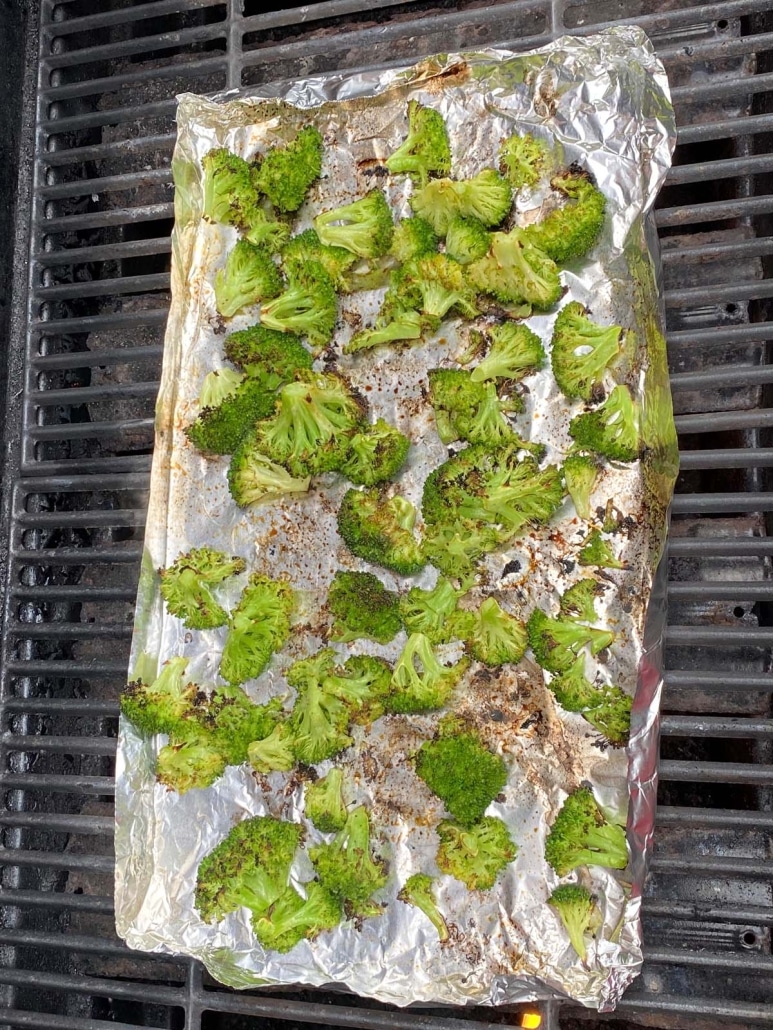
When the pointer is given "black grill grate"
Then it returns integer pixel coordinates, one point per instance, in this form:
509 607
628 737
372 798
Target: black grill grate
91 273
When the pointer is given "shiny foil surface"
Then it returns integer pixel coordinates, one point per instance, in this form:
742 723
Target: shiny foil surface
604 101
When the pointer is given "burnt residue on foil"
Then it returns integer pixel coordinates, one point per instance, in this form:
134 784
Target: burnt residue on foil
603 100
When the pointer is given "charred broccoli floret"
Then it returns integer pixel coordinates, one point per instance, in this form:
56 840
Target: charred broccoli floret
467 240
515 352
596 551
525 159
231 721
306 246
441 286
606 708
230 193
495 636
413 238
455 547
375 454
262 229
249 276
611 430
581 835
569 232
580 475
186 586
379 529
516 272
287 171
292 918
582 351
324 802
477 854
161 705
190 764
425 151
347 868
319 719
307 307
217 386
428 611
405 327
420 683
253 477
557 642
259 626
466 410
273 753
419 890
220 429
578 601
267 354
364 227
487 197
576 909
362 606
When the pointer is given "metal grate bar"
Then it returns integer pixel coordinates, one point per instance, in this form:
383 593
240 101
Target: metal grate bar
716 772
107 287
57 158
719 421
23 1018
726 503
55 823
714 726
713 378
102 219
68 745
754 914
123 16
721 591
714 547
753 457
50 899
55 860
134 47
149 993
720 636
714 818
60 784
712 1008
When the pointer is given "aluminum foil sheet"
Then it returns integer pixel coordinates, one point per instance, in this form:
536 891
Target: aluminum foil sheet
604 100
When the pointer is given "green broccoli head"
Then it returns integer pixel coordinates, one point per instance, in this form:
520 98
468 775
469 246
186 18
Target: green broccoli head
578 601
525 159
186 586
379 529
292 919
582 351
191 764
267 354
596 551
218 385
319 719
230 192
496 636
248 868
580 475
515 352
259 626
456 546
287 171
347 868
375 454
420 683
262 229
413 238
362 606
428 611
606 708
232 721
440 283
220 429
306 246
163 704
477 854
516 272
611 430
461 771
324 802
467 240
576 909
581 835
425 151
254 478
466 410
419 890
249 276
274 753
364 227
406 327
556 643
569 232
307 307
487 197
364 684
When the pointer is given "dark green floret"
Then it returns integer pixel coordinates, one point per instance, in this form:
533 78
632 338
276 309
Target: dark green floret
413 238
253 478
186 586
596 551
466 410
477 854
346 867
569 232
487 197
580 475
319 719
420 683
406 327
230 193
582 351
193 763
606 708
611 430
287 171
516 272
362 606
249 276
273 753
428 611
220 429
581 835
306 246
495 636
292 918
374 454
578 601
161 705
379 529
440 286
307 307
425 151
258 627
515 352
267 354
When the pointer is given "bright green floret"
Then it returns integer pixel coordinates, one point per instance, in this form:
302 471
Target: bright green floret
324 802
375 454
596 551
159 706
249 868
232 721
413 238
364 227
287 171
477 854
364 684
307 307
319 719
267 354
186 586
362 606
419 890
306 246
580 475
220 429
515 352
582 351
486 197
258 627
516 272
467 240
606 708
406 327
379 529
461 771
253 478
273 753
556 643
578 601
428 611
569 232
190 764
441 287
466 410
262 229
425 151
420 683
455 547
249 276
292 918
580 835
525 159
347 868
497 637
217 386
611 430
230 193
576 909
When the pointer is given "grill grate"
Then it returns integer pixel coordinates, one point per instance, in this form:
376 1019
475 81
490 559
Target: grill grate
91 274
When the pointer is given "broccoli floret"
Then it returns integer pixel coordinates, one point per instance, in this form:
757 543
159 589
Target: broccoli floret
286 172
596 551
362 606
307 307
475 855
419 890
569 232
346 867
191 764
606 708
580 475
580 835
612 429
253 477
159 706
220 429
267 354
486 197
557 642
232 721
425 150
413 238
419 682
525 159
465 410
365 228
250 868
576 909
319 719
375 454
467 240
274 753
292 919
306 246
405 327
464 774
455 547
578 601
259 626
260 228
441 286
218 385
516 272
249 276
515 352
496 636
364 684
229 187
379 529
428 611
324 802
186 586
318 409
582 351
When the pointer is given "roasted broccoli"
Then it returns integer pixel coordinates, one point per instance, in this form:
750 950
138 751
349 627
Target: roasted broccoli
230 193
460 770
220 429
515 352
347 868
364 227
324 802
287 171
569 232
456 546
362 606
440 285
273 753
486 197
364 683
576 909
163 704
582 351
596 551
428 611
420 683
186 586
557 642
190 764
259 626
516 272
425 151
495 636
231 721
580 475
525 159
249 276
267 354
253 477
419 890
374 454
413 238
467 240
578 601
218 385
580 835
477 854
611 430
466 410
319 719
606 708
306 246
379 529
405 327
307 307
262 229
292 918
